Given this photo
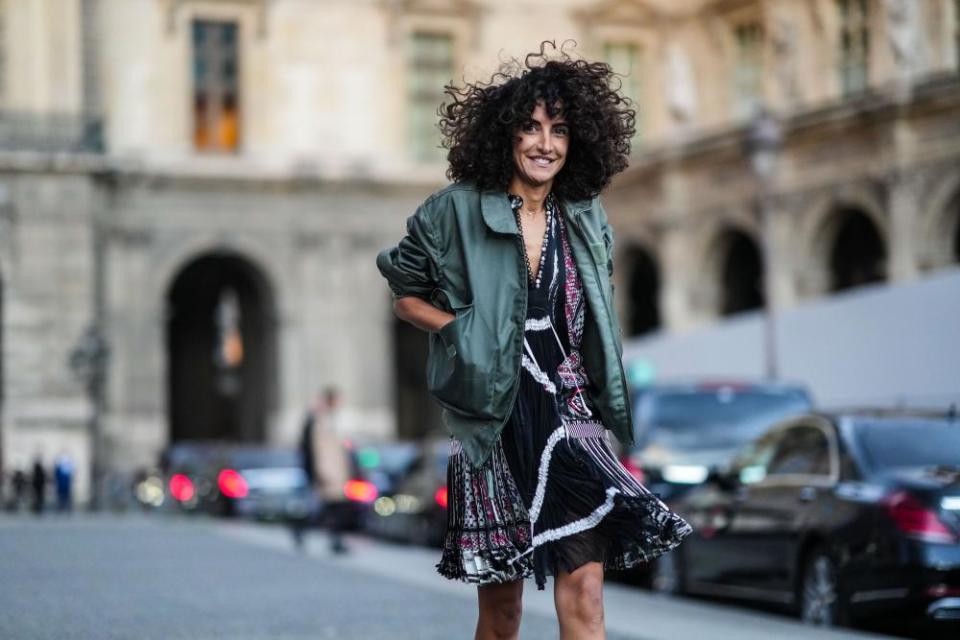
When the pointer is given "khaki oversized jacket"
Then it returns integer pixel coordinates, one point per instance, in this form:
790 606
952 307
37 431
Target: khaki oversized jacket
461 254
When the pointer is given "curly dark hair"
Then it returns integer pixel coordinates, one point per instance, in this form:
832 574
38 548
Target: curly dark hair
480 120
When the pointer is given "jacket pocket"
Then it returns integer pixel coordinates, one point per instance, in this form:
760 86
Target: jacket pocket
459 367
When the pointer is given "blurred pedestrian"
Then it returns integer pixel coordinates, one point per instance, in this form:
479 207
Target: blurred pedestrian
327 465
63 479
19 483
509 271
38 482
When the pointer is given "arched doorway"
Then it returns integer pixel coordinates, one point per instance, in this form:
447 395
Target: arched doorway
858 255
221 350
418 414
741 273
644 292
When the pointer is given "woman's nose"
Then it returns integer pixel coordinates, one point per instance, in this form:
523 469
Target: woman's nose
544 142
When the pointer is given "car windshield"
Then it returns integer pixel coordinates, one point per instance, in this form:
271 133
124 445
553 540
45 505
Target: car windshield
903 444
720 418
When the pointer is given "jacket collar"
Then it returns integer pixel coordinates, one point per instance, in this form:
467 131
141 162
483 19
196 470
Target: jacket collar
498 215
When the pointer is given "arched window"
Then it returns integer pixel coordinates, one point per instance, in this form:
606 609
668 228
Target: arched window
644 292
741 273
221 354
858 255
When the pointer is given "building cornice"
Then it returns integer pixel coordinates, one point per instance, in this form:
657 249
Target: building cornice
938 92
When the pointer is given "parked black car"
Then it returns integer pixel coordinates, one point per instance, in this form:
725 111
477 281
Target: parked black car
228 479
684 430
416 511
843 517
262 483
185 472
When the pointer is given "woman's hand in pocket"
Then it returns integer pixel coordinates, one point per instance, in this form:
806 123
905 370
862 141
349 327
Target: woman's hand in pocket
421 314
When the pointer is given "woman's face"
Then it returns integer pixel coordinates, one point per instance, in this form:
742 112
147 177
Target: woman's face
540 147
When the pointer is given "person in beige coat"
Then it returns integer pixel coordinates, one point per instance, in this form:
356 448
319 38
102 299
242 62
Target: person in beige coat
327 463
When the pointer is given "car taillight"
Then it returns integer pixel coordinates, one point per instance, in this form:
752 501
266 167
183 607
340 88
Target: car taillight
232 484
441 497
181 488
360 491
942 591
914 519
633 469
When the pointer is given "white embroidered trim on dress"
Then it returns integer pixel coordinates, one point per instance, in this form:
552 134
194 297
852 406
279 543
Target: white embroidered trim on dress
538 375
577 526
587 522
542 474
537 324
529 362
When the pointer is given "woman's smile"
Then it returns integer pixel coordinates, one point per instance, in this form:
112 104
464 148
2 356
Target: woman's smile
540 146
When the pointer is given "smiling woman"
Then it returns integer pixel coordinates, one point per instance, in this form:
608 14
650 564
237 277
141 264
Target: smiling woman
509 270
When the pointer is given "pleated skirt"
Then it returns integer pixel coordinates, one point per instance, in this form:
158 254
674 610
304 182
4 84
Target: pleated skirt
509 519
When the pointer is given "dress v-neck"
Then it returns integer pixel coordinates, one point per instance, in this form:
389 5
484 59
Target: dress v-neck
534 276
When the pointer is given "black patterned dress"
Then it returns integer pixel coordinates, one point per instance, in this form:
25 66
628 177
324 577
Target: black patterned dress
552 496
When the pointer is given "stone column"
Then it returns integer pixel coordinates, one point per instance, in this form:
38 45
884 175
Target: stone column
903 254
678 259
678 277
784 263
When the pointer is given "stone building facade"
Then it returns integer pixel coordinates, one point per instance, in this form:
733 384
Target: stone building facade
207 182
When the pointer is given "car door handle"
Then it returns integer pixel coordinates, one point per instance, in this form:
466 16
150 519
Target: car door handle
807 494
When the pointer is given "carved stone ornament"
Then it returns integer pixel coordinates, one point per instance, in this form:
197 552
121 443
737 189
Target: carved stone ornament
681 86
784 39
903 34
618 12
467 11
171 11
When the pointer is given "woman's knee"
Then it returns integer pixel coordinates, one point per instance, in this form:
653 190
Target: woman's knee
582 596
501 607
507 613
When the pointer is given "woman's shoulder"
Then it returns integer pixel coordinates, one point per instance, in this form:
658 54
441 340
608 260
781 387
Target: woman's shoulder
460 196
457 190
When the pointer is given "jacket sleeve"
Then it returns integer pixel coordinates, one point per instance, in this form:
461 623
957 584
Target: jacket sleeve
412 267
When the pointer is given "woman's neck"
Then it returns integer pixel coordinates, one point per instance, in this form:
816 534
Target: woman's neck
534 196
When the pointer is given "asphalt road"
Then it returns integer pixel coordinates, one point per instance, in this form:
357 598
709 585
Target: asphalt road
169 578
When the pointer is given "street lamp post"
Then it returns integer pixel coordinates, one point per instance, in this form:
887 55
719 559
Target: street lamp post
88 360
764 141
90 357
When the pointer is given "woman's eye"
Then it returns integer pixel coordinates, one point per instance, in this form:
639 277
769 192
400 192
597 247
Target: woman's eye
562 130
530 127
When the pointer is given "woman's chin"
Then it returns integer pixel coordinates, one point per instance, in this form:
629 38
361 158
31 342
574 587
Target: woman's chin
537 178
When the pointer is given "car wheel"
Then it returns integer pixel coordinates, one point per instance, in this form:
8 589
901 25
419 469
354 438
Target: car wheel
667 575
819 601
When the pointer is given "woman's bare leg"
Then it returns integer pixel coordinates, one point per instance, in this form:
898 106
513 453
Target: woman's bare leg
500 609
578 597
